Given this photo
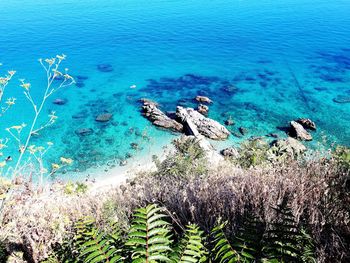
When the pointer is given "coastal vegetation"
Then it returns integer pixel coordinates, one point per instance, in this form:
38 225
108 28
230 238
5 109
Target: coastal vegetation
188 211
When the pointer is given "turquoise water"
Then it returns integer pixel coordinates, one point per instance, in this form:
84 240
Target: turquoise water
262 62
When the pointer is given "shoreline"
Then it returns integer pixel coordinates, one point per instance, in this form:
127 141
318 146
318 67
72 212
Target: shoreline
99 178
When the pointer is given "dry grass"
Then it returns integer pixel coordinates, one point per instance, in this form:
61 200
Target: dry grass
318 193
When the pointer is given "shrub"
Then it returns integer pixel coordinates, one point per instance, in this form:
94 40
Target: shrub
252 153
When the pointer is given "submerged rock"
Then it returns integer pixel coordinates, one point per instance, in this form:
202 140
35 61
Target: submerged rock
104 117
229 122
80 84
59 101
307 123
342 99
105 67
159 118
230 152
84 131
80 115
123 162
243 130
81 78
203 99
196 122
297 131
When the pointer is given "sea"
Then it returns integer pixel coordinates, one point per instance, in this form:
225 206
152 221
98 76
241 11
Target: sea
263 63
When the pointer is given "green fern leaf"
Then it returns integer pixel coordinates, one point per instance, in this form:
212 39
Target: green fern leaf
148 238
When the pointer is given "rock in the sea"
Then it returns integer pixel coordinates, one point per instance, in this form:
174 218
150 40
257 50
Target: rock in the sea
203 109
105 67
84 131
290 146
80 115
230 152
342 99
297 131
59 101
272 135
123 162
229 122
103 117
81 78
243 130
80 84
146 101
134 145
203 99
196 122
159 118
307 123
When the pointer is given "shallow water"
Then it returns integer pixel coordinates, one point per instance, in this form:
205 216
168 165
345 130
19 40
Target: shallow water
263 63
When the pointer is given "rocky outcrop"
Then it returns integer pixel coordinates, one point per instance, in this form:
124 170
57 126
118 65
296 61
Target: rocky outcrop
307 123
230 152
203 99
290 147
104 117
196 122
159 118
297 131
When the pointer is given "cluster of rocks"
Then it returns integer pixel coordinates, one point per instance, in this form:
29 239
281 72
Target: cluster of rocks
290 146
186 120
298 129
159 118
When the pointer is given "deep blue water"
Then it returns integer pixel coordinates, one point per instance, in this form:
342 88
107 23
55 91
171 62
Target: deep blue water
262 62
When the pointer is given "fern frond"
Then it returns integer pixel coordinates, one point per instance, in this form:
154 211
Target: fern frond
226 252
307 247
148 238
191 248
282 237
96 246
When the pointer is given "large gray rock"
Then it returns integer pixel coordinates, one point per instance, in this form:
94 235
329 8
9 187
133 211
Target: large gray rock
230 152
203 99
159 118
205 126
298 131
307 123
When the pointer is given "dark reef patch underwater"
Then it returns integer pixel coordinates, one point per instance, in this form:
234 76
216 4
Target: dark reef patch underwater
99 129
